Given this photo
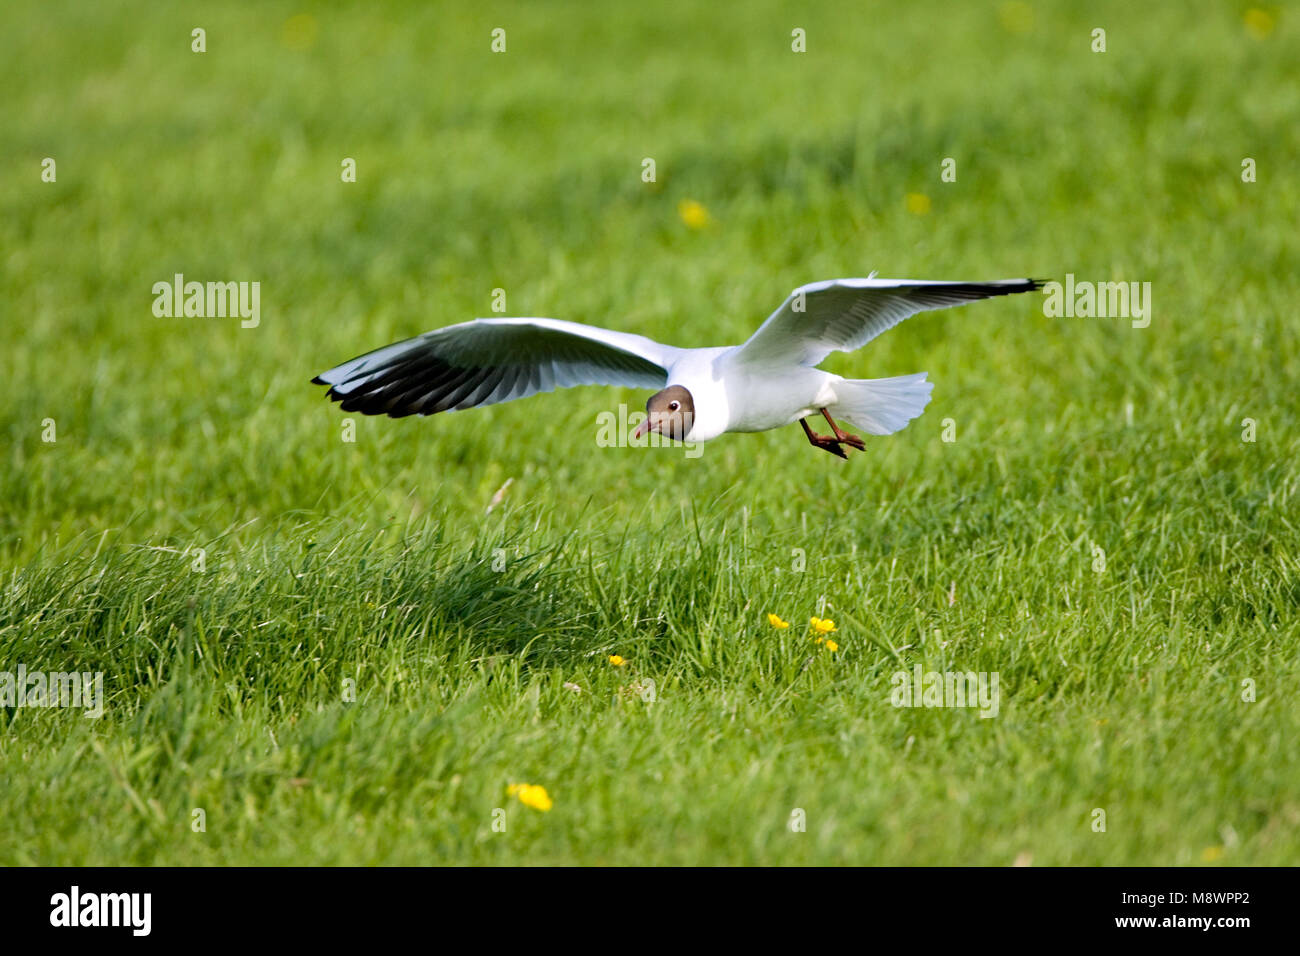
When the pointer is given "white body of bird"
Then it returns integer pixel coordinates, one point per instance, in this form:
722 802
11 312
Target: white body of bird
732 396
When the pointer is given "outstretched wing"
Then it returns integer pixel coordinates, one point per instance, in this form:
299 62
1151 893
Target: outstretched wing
493 360
841 315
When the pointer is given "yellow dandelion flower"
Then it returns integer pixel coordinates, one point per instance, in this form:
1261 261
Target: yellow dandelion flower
777 622
822 626
832 646
1016 17
693 214
1211 853
1259 23
616 660
299 32
531 795
918 204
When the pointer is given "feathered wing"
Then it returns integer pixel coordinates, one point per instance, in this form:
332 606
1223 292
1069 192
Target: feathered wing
493 360
841 315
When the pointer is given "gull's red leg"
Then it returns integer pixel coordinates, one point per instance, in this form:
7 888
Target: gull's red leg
824 442
852 441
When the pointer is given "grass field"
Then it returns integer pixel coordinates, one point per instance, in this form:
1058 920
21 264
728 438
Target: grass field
340 656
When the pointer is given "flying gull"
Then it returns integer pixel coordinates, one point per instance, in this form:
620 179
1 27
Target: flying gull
770 381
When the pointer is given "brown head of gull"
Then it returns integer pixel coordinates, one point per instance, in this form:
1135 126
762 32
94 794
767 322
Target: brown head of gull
670 412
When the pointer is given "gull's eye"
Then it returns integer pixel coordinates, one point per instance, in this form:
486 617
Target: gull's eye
673 406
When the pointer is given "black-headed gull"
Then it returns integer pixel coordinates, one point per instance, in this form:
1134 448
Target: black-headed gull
769 381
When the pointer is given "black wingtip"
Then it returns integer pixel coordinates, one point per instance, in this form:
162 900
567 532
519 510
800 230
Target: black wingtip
318 381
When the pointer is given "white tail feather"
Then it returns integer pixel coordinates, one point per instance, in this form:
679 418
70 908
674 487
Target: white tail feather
882 406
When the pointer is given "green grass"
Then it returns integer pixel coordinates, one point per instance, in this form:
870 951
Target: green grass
376 562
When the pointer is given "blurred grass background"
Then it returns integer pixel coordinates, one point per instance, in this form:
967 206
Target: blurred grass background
522 171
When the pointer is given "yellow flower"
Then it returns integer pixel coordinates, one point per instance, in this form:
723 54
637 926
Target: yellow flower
822 626
299 32
832 646
1211 853
616 660
777 622
1016 17
531 795
693 214
1259 23
918 204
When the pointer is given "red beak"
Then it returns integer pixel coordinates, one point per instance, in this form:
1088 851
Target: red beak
642 428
